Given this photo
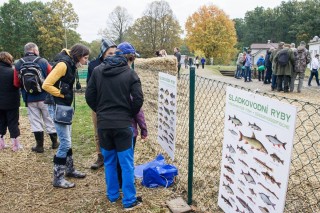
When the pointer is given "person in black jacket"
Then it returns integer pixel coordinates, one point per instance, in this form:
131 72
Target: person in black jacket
108 48
9 103
114 92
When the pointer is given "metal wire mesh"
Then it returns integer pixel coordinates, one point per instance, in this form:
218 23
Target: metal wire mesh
303 194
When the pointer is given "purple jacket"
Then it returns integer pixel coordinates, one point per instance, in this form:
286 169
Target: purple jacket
139 120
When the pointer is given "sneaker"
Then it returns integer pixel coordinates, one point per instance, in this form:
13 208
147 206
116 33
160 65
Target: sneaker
134 205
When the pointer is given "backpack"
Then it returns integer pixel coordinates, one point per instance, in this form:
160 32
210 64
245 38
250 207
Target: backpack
283 58
302 61
30 75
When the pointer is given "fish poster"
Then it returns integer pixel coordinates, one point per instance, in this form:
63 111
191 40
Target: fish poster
167 110
256 155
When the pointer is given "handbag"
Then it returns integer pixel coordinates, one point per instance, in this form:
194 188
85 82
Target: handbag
63 114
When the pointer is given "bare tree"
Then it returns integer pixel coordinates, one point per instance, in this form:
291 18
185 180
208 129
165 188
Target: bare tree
117 24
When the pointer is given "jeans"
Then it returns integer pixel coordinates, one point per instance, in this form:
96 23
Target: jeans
316 74
64 134
274 82
117 144
261 75
238 72
247 74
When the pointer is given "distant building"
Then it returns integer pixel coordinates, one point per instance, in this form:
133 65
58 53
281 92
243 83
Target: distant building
314 46
261 48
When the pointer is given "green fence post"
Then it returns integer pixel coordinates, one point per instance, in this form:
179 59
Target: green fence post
191 133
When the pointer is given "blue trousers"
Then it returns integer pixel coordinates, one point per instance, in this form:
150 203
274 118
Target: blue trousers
274 81
117 144
247 76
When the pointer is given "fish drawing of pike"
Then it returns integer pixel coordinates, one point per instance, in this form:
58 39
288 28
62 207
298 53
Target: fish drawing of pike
248 177
230 159
244 204
266 199
244 163
255 171
251 200
228 188
231 149
263 164
226 201
228 178
240 181
271 178
242 150
275 141
229 169
263 209
254 126
254 143
235 121
274 194
275 157
233 132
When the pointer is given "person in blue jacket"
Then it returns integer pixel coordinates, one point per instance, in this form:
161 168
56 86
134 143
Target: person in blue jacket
261 67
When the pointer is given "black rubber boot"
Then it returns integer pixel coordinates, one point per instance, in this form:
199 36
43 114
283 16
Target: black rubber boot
70 170
54 140
58 174
39 140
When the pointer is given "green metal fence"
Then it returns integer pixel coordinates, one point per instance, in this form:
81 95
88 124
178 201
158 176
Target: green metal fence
303 193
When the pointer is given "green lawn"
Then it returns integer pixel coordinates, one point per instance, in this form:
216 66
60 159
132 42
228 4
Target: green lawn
215 68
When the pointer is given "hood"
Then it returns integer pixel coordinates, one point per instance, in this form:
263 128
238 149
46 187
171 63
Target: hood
114 65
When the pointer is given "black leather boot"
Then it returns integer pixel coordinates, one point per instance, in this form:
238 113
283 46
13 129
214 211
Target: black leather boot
39 142
54 140
98 163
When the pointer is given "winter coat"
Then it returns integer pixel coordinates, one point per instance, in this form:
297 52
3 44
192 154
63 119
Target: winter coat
248 60
285 70
108 93
9 94
240 59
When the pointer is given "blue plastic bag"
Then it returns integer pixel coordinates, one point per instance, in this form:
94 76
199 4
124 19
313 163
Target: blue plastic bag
138 170
158 173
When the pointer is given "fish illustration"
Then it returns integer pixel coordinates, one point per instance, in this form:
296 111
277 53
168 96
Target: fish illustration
166 102
165 131
165 138
263 164
248 177
275 157
160 114
171 142
232 199
244 163
252 191
166 110
171 122
161 108
226 201
240 181
171 136
235 121
254 126
165 124
170 148
160 127
228 178
229 169
251 200
161 89
228 188
171 128
172 95
160 119
269 190
166 92
172 103
230 159
263 209
231 149
171 111
242 150
244 204
160 137
255 171
161 96
238 210
172 118
233 132
254 143
275 141
240 190
271 178
266 199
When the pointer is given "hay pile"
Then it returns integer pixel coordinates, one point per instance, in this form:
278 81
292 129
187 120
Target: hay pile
165 64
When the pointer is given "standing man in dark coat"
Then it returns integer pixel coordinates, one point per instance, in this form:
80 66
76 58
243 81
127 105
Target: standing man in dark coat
177 54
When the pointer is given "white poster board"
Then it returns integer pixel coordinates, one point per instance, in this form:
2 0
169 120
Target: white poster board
167 110
258 141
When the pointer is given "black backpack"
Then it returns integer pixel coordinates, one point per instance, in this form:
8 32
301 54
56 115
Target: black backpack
30 75
283 58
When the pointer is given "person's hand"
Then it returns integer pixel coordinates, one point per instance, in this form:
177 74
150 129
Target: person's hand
144 137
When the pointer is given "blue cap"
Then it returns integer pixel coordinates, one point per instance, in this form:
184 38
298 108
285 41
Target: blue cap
125 48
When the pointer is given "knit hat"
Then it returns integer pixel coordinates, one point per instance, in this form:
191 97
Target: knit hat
126 48
105 45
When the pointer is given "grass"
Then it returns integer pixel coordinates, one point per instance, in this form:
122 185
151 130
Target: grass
216 68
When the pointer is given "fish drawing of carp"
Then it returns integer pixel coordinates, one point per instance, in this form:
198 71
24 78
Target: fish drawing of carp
271 178
235 121
254 143
275 141
266 199
275 157
242 150
254 126
248 177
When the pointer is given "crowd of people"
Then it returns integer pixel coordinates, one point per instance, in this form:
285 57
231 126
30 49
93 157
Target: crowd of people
114 94
280 67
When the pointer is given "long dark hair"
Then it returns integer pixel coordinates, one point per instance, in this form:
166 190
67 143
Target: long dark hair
77 51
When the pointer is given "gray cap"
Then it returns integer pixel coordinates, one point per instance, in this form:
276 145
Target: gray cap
105 45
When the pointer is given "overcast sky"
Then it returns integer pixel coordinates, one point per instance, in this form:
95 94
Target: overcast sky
93 14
